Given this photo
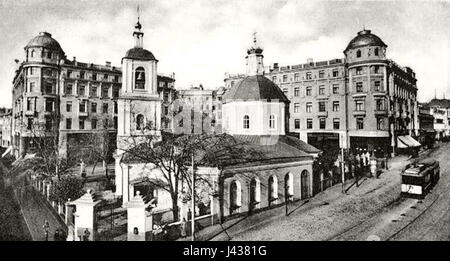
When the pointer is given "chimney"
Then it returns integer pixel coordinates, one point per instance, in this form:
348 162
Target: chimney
75 60
310 60
108 64
275 66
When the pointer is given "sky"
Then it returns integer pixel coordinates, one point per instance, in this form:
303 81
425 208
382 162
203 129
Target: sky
200 40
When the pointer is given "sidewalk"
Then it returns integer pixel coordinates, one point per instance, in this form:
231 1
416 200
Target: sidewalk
315 218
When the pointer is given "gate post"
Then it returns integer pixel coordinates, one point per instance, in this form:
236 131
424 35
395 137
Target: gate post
85 221
139 220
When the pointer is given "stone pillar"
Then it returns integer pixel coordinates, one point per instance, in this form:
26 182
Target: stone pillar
68 216
85 221
139 221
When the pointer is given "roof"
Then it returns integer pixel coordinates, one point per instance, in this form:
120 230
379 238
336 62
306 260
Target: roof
256 87
443 103
140 54
365 38
45 40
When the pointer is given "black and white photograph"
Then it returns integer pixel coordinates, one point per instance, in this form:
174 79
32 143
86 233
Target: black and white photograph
224 120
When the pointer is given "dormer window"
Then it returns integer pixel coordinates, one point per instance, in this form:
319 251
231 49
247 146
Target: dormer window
139 78
246 122
32 53
272 122
358 54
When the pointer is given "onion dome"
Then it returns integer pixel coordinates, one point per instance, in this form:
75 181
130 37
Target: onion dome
256 87
255 48
365 38
137 53
44 40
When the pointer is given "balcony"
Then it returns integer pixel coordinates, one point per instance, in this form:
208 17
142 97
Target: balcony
83 114
322 114
381 112
359 113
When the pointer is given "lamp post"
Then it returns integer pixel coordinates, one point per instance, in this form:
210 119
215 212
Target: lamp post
193 201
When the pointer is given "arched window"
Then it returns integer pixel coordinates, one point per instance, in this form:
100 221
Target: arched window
273 188
235 196
139 78
32 53
358 53
272 122
304 179
246 122
288 187
139 122
376 52
255 192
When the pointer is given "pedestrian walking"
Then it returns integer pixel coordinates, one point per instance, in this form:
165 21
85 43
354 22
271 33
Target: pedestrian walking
46 228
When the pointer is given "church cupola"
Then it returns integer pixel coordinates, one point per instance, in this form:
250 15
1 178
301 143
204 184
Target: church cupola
254 59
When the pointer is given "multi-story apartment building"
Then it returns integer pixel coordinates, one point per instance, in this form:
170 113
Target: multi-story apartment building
364 100
440 109
5 127
65 97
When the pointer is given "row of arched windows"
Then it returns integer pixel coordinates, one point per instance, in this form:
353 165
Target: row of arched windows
141 124
235 191
358 53
246 122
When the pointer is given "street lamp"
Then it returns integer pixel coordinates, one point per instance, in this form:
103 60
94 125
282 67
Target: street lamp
46 227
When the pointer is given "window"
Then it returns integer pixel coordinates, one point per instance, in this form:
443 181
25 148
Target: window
274 79
68 123
82 106
105 108
440 121
246 122
308 91
380 105
376 51
48 87
94 107
359 123
308 106
308 76
82 90
376 69
94 76
309 124
115 92
285 91
272 122
105 92
49 55
68 89
296 77
285 78
359 105
69 106
106 123
139 122
322 106
321 74
297 124
335 88
30 123
82 74
359 87
69 74
116 107
322 123
336 106
180 123
48 105
93 91
81 125
116 122
116 78
296 91
322 90
296 107
30 104
377 86
32 86
380 124
94 124
335 73
336 124
359 71
139 78
33 53
105 77
358 53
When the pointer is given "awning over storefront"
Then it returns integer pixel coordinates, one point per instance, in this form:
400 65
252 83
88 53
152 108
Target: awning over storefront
406 142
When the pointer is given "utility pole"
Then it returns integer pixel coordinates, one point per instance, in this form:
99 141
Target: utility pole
193 201
342 169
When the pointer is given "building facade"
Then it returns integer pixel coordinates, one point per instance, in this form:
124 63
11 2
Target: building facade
67 98
364 100
5 127
440 109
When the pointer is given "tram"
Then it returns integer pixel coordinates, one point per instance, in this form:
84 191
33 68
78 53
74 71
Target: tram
419 177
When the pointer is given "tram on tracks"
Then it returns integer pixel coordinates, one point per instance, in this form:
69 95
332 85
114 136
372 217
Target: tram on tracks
419 177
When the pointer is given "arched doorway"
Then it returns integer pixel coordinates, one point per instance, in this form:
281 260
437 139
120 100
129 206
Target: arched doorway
304 179
255 195
235 196
273 190
289 187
